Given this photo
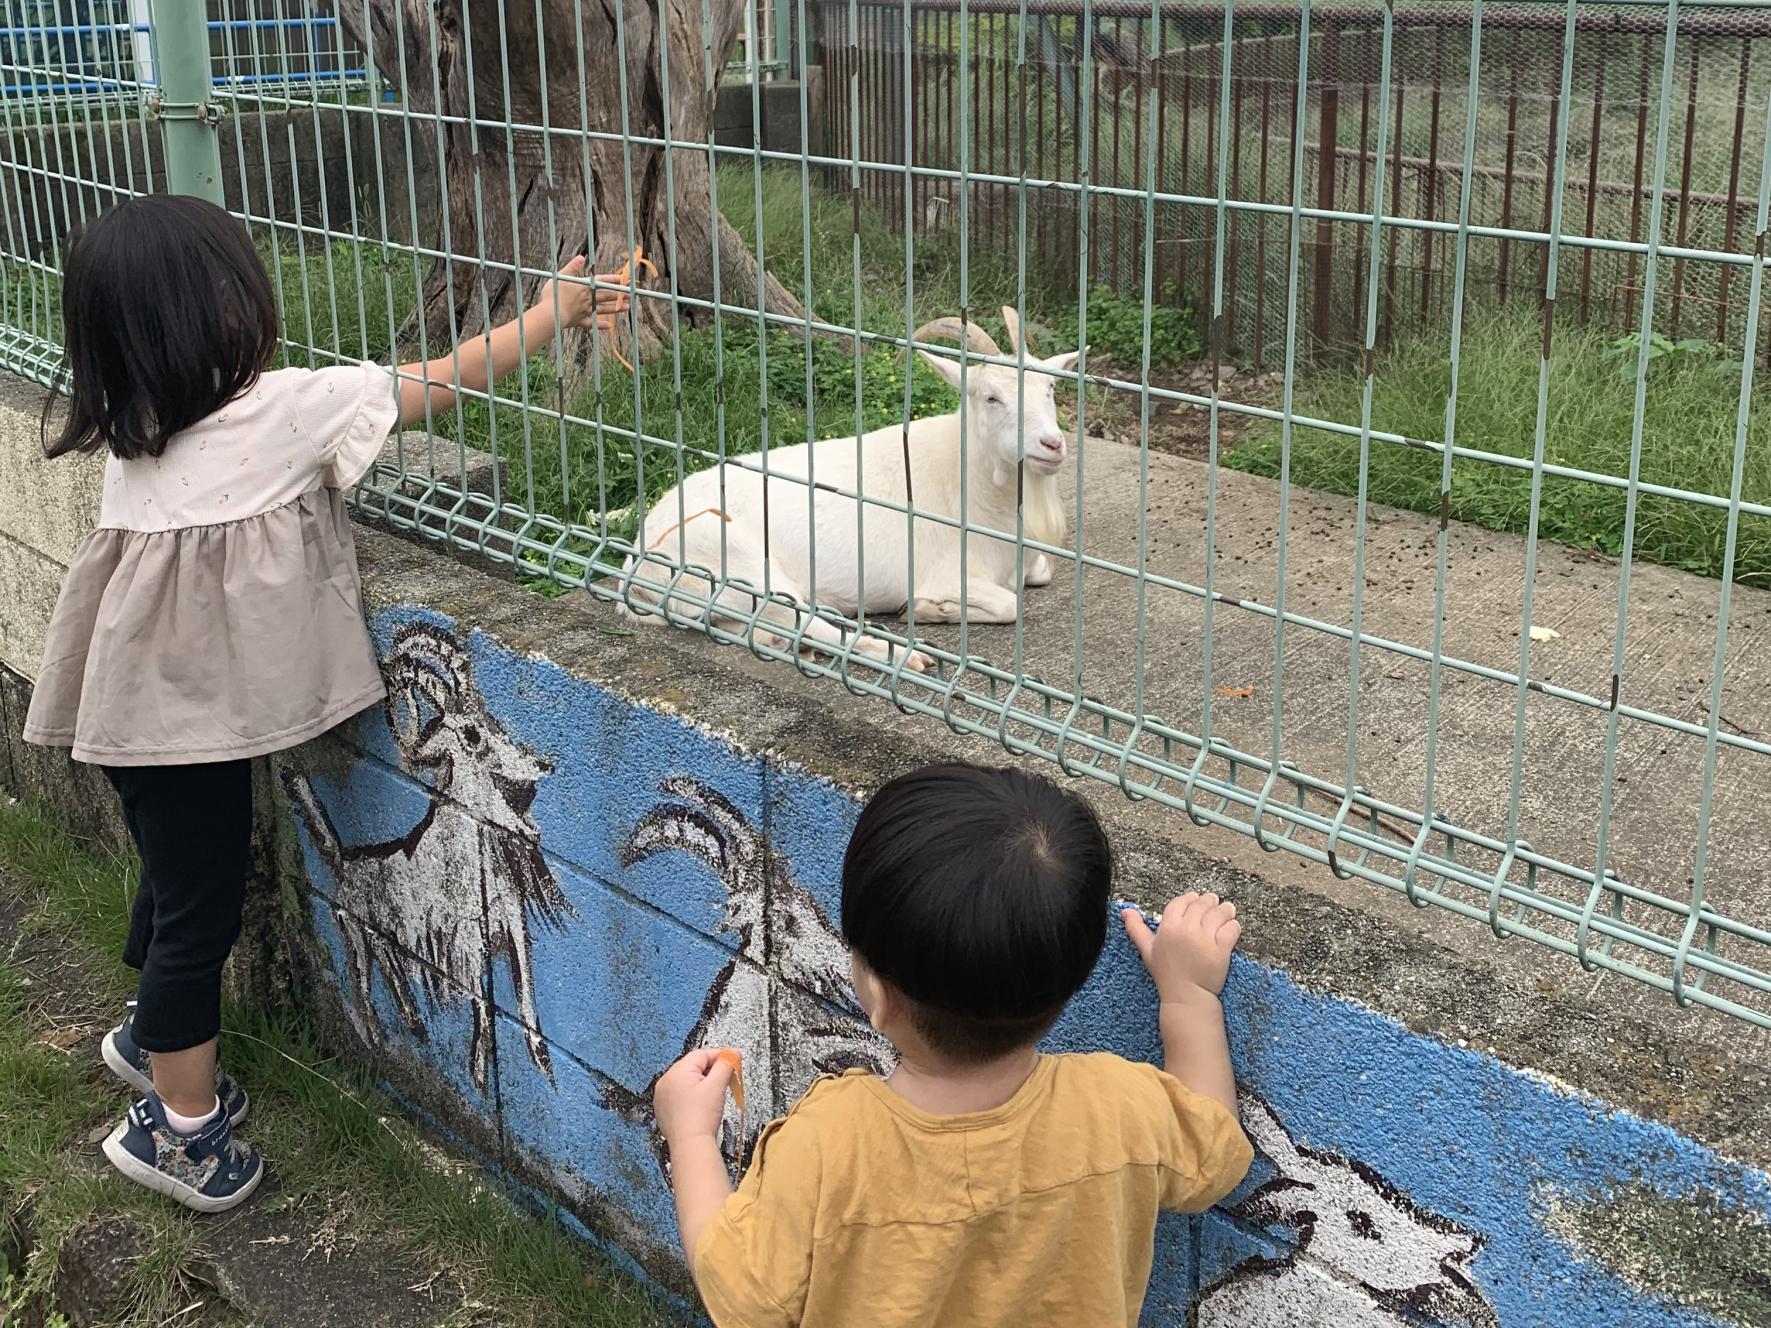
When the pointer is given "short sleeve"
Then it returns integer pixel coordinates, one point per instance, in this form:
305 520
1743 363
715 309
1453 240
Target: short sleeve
753 1262
1205 1153
348 412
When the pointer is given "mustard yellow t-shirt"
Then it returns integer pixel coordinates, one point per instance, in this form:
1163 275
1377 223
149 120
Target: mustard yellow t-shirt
859 1211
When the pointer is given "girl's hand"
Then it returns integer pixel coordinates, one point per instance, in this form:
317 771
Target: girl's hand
579 303
690 1097
1189 952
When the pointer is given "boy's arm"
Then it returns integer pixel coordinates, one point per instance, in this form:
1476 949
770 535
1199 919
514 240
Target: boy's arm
1195 1048
1188 956
477 363
698 1175
690 1100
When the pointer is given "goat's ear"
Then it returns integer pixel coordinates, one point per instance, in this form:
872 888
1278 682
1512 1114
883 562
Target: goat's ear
1065 361
1267 1132
948 369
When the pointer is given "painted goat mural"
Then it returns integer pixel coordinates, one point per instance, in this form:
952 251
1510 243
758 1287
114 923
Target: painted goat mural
1365 1256
435 907
527 884
784 1000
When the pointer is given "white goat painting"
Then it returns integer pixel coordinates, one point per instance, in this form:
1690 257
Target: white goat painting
1366 1256
766 534
784 998
435 908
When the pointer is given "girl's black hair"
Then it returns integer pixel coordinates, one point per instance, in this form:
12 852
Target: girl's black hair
982 896
167 316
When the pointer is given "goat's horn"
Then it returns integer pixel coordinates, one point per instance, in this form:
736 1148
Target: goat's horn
973 335
1012 321
422 646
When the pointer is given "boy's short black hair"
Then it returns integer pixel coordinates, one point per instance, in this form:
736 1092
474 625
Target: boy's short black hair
981 895
167 315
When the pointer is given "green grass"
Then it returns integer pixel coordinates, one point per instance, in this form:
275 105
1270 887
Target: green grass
338 1146
1687 440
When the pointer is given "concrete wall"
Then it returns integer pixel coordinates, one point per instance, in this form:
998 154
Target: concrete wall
565 852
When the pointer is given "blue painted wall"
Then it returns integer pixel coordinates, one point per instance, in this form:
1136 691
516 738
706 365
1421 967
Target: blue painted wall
533 895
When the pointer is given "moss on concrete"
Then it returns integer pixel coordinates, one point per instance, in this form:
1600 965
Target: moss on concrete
1697 1251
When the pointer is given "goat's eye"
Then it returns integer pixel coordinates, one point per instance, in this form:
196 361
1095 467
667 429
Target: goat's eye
471 735
994 401
1363 1225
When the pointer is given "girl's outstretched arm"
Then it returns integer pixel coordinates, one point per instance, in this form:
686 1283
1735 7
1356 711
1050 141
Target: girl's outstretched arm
568 301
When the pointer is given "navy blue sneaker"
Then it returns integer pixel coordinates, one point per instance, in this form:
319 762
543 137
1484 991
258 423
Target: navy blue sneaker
131 1064
209 1171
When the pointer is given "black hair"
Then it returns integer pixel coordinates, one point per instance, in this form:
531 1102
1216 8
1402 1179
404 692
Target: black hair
167 315
981 895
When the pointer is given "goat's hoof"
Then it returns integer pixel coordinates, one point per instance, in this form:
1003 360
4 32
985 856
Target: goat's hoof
539 1053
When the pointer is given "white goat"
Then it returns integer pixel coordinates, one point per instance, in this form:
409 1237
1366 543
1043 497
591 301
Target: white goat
1014 450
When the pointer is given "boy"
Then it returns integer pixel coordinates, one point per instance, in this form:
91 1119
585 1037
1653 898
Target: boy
981 1183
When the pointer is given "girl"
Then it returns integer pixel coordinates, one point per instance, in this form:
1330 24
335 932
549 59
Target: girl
215 615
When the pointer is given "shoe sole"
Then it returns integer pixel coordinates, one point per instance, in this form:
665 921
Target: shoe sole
119 1065
173 1188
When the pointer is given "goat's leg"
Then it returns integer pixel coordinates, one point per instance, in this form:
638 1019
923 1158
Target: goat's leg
980 601
698 597
822 637
522 963
358 959
479 1056
400 975
1039 571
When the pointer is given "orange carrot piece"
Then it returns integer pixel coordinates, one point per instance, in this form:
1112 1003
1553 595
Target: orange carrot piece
735 1058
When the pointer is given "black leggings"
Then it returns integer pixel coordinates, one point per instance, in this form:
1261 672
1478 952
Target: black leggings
192 825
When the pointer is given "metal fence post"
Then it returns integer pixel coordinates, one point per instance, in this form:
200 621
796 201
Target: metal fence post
1327 168
184 102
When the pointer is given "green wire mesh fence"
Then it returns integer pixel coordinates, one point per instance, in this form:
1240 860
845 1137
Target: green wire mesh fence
1495 262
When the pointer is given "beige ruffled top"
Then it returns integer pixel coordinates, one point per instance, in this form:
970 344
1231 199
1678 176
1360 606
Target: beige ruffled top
216 612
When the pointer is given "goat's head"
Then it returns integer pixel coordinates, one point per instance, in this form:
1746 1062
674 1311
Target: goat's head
442 725
1010 418
1351 1219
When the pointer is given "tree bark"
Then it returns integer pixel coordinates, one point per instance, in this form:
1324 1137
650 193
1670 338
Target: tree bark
517 196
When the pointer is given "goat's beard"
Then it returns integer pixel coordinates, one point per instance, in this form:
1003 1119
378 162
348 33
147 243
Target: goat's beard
520 862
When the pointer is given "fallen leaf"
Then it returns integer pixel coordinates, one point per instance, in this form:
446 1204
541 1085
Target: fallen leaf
1233 692
62 1039
1544 633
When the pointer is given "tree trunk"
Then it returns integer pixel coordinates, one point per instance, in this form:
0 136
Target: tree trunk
518 197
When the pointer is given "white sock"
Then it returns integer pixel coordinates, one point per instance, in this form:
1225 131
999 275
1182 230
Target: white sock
191 1124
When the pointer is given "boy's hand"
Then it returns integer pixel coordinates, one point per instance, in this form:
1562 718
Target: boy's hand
1189 952
580 304
690 1097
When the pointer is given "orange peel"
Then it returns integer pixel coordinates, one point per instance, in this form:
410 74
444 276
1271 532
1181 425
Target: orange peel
623 277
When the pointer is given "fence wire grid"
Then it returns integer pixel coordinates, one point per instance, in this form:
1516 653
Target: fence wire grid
1261 226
